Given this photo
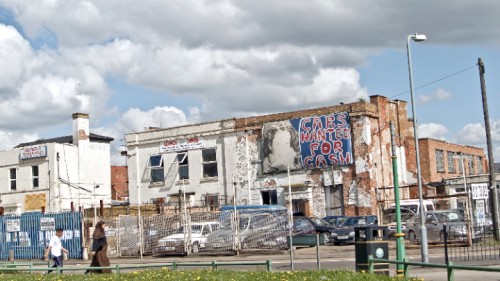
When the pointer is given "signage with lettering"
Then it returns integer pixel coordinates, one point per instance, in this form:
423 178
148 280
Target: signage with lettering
13 225
479 190
324 140
47 224
181 144
480 212
307 143
33 152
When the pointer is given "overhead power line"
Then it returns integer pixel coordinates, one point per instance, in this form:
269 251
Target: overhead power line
435 81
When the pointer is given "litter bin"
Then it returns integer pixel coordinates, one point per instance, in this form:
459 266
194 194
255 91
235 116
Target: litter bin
371 240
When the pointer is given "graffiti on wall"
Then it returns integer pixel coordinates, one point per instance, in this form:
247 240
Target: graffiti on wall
306 143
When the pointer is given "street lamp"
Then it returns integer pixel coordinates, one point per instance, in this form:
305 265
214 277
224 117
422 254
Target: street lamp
423 231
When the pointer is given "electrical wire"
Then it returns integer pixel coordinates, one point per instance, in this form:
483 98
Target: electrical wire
435 81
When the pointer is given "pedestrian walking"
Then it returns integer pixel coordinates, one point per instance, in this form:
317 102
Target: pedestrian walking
56 250
100 248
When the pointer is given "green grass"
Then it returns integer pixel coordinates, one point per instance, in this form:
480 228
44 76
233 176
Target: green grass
207 275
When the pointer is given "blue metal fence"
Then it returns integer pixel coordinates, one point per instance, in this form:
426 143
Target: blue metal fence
27 236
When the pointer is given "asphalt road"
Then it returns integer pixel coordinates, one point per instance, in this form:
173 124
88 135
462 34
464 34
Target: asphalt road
330 258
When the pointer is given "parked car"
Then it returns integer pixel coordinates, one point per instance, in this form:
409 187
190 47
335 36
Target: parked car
195 236
335 220
344 234
454 221
486 224
254 231
323 227
389 219
302 226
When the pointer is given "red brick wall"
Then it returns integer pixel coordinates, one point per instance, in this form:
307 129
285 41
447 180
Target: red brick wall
428 165
119 182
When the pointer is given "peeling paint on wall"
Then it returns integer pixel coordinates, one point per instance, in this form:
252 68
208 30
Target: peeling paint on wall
359 197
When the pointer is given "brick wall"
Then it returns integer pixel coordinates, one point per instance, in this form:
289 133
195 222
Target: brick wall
428 166
119 182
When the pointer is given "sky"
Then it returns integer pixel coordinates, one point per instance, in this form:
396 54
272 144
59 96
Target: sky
170 63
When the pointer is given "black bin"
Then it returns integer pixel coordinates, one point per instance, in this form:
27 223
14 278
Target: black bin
371 240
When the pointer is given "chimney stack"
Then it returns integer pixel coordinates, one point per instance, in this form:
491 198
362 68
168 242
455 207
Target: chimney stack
80 128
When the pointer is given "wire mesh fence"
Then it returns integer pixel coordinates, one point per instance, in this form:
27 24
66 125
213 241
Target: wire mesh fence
208 233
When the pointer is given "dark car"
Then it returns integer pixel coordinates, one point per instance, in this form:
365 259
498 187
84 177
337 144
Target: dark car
301 226
321 226
335 220
344 234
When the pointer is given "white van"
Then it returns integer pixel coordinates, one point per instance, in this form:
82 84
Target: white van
414 205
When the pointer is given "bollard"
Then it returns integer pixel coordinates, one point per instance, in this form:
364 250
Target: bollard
11 255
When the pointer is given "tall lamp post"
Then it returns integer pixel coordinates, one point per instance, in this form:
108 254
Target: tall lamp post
423 231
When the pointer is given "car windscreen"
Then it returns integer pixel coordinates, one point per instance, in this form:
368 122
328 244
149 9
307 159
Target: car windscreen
449 217
194 229
320 222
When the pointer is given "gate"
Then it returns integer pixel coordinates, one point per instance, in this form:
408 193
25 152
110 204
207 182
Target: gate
27 235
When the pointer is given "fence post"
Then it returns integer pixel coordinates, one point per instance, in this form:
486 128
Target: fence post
371 267
406 272
269 266
445 238
449 269
118 269
11 255
174 265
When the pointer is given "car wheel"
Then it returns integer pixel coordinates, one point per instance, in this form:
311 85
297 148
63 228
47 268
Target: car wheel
195 248
412 237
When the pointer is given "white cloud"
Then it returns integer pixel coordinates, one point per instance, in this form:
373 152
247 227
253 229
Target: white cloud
472 134
136 120
432 130
10 139
229 58
439 95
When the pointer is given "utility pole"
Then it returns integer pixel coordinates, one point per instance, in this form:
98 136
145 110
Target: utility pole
491 161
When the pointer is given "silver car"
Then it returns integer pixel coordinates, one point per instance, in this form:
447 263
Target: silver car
436 222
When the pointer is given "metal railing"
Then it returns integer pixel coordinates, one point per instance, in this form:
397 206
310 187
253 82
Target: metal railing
450 267
214 265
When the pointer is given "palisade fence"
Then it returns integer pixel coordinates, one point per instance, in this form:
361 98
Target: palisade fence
26 236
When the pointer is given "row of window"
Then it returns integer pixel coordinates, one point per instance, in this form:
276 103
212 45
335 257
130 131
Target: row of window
208 163
464 159
34 178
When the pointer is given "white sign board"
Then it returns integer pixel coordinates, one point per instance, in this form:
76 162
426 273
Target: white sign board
33 152
47 224
479 191
13 225
480 212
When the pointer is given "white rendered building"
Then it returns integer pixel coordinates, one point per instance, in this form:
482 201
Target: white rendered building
57 174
